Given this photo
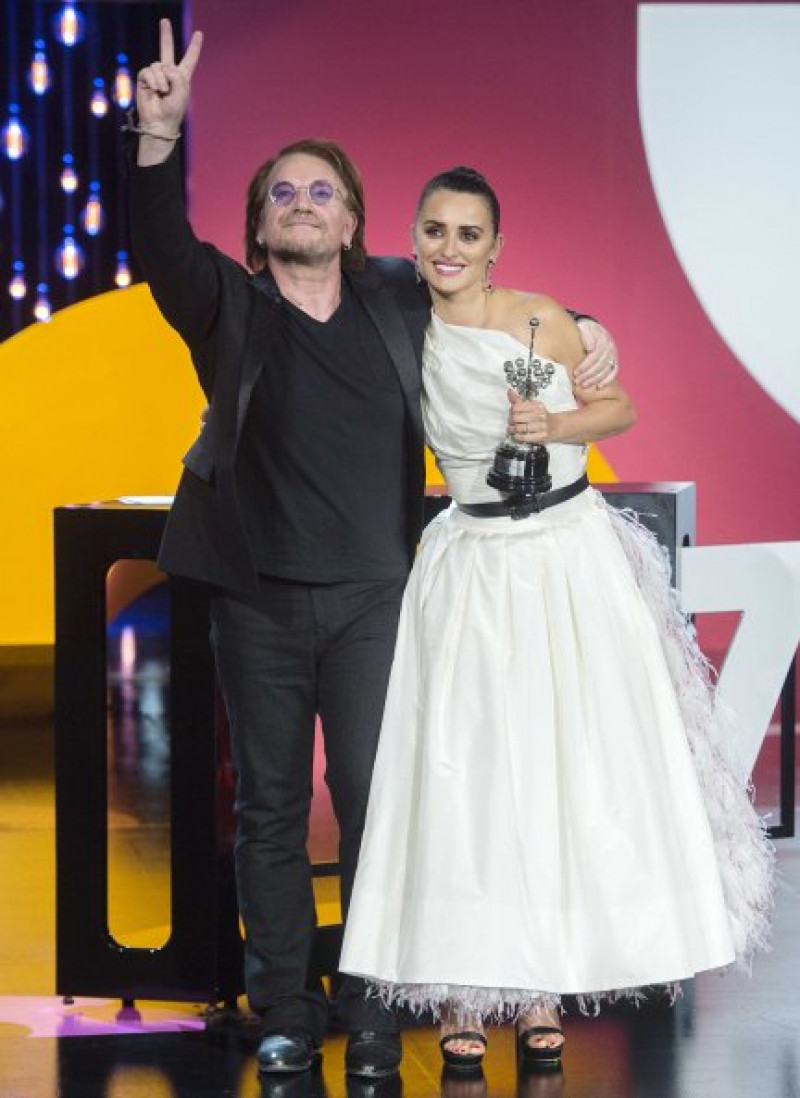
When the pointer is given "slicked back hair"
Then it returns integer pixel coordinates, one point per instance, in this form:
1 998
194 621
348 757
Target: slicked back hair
463 180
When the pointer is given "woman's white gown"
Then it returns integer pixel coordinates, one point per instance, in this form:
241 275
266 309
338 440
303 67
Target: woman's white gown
551 811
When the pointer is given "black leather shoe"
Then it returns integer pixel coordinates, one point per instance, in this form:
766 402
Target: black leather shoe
391 1086
295 1084
372 1055
287 1050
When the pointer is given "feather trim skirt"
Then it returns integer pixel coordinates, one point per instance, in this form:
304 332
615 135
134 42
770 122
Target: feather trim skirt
553 810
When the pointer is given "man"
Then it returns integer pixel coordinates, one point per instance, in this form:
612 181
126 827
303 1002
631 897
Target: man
301 503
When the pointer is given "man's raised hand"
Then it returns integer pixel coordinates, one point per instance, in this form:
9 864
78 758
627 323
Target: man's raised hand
162 88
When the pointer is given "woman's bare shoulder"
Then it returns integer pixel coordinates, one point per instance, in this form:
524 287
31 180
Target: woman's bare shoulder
527 303
517 308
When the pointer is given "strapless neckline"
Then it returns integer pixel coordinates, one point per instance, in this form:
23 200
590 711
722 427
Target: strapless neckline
499 332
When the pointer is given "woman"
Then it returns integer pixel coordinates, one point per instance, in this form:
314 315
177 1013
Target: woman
551 812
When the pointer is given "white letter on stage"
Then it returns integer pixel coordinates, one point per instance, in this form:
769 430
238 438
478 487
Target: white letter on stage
763 581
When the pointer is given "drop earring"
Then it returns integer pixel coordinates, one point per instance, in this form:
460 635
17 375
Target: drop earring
487 285
417 272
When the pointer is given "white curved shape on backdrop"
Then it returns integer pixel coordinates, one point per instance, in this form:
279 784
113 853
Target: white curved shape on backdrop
719 106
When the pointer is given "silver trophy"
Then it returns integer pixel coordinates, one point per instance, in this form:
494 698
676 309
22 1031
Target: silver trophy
520 468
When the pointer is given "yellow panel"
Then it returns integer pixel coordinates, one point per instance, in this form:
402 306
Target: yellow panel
100 402
600 472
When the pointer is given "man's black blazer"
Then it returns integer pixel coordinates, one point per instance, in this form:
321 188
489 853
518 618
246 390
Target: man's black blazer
228 319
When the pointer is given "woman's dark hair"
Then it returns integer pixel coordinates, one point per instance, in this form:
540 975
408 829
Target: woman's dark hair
337 158
464 181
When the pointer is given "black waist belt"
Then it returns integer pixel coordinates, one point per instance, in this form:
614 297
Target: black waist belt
519 507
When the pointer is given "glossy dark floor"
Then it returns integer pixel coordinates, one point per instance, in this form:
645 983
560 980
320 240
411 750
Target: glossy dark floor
727 1037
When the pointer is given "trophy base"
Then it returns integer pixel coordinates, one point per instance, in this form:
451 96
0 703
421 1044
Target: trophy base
521 471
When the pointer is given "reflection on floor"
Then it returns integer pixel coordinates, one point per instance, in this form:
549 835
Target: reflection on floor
727 1037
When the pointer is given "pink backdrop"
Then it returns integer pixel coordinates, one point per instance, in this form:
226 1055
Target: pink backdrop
541 96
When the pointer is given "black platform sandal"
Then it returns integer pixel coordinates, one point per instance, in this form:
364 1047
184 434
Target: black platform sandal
466 1062
544 1056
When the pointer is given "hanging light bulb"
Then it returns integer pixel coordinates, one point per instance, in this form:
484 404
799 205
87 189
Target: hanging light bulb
70 257
122 275
93 216
123 83
42 310
69 177
39 76
98 104
17 287
14 136
68 25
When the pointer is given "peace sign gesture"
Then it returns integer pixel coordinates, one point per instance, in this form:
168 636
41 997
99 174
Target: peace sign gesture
162 89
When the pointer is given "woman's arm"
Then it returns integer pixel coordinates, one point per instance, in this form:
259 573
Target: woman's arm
603 412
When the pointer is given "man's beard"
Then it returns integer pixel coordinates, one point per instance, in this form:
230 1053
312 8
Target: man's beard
303 257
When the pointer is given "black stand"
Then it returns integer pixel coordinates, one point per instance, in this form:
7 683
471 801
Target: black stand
202 961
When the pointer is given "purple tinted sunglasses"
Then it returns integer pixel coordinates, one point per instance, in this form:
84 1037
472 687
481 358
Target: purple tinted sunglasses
320 191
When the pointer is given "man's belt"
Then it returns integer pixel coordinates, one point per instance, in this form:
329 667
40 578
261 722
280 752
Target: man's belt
519 507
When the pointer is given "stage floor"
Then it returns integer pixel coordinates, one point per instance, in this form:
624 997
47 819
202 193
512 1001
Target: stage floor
727 1037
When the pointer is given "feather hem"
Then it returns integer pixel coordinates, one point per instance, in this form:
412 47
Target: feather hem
492 1004
745 855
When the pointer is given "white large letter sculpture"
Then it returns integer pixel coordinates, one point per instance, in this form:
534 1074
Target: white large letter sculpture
763 581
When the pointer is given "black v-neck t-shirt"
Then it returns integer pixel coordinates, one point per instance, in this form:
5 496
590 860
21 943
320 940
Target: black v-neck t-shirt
320 464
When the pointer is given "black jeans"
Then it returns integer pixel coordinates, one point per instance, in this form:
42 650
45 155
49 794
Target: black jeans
290 652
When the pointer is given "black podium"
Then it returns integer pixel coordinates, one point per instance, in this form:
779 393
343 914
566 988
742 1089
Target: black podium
202 959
